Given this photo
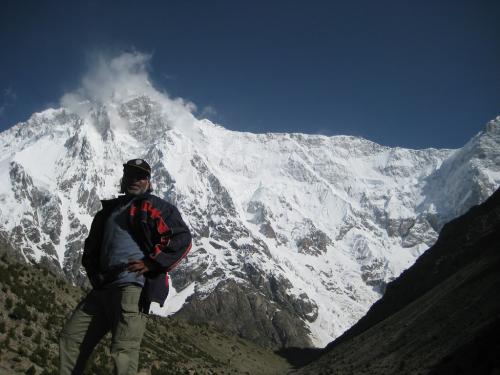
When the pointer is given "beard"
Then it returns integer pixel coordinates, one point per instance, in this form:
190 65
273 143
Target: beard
135 188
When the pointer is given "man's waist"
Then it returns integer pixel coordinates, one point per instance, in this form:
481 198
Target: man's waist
119 273
115 269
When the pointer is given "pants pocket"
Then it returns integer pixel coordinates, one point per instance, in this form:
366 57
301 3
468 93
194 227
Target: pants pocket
131 322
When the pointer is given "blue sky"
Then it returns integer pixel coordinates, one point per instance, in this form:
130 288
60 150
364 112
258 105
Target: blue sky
401 73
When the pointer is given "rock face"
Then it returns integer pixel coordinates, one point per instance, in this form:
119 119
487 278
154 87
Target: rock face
441 316
252 314
295 235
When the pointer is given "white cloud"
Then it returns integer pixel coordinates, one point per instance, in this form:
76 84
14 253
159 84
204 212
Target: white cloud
208 112
114 80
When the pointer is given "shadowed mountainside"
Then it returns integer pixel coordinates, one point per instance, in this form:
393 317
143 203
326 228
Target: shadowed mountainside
441 316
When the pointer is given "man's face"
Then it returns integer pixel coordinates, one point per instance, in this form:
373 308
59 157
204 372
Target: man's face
135 181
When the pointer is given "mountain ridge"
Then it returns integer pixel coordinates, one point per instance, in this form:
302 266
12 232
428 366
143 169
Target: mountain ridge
320 223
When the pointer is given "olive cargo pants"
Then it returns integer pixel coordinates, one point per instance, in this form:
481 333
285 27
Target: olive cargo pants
116 310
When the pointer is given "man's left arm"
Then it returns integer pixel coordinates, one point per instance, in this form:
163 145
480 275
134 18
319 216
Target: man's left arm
175 242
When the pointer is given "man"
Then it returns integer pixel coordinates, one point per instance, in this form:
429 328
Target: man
133 242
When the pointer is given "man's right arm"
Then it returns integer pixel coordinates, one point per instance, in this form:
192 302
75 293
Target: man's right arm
91 249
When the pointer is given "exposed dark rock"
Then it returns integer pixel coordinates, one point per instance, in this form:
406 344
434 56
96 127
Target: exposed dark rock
215 245
238 309
261 216
45 214
49 249
373 273
315 242
85 150
52 218
421 231
267 230
399 227
183 275
268 299
31 231
89 199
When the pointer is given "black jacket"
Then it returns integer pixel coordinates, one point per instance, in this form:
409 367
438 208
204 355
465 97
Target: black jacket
160 232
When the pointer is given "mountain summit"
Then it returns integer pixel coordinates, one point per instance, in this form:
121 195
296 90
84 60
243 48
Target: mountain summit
295 235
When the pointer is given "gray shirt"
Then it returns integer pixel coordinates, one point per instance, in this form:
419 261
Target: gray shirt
119 247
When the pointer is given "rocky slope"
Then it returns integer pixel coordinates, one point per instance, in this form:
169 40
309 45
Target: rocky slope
295 235
441 316
36 302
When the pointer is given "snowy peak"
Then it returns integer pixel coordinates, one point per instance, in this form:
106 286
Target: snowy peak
300 232
493 126
466 177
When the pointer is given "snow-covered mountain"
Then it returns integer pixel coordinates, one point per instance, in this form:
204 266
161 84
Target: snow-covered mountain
295 235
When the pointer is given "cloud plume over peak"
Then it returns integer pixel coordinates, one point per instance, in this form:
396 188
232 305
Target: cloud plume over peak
117 79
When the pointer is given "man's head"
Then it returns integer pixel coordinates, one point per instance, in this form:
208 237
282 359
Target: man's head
136 177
